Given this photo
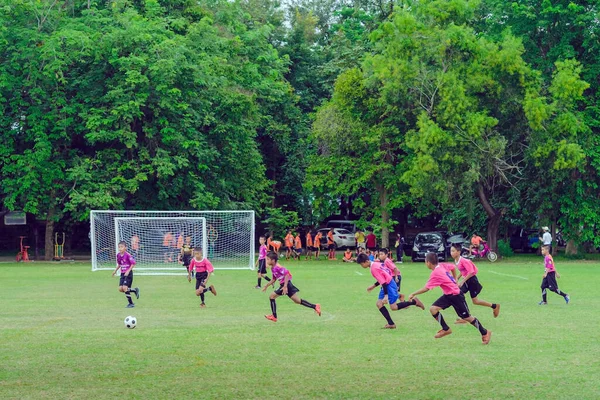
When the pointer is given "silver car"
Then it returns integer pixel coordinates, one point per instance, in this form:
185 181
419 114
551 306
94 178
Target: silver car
342 237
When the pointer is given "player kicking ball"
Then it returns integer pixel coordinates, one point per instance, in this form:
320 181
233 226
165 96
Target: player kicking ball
204 269
389 289
286 287
452 296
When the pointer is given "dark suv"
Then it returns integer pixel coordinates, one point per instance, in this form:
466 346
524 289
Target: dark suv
426 242
524 239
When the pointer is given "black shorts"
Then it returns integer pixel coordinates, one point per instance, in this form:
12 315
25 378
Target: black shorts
455 300
472 286
126 280
292 290
186 259
549 282
331 246
289 248
262 266
201 279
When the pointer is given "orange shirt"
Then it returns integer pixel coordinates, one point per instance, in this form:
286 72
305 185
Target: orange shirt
476 240
168 239
318 239
347 254
298 242
289 240
180 242
309 241
329 237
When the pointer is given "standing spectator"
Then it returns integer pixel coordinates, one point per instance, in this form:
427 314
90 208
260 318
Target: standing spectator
399 248
371 241
546 239
359 236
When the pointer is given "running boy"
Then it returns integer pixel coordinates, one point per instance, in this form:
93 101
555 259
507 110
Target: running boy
126 262
549 277
261 262
469 282
203 269
286 288
388 292
186 253
452 296
392 269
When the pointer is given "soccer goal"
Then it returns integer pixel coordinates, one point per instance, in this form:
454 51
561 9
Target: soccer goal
155 238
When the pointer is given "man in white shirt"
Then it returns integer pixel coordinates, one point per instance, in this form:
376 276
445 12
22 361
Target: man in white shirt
546 238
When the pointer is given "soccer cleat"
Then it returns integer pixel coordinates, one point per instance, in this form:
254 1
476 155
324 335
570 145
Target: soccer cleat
486 338
542 303
388 326
137 292
202 305
419 303
496 311
212 290
256 287
318 309
271 318
460 321
567 299
441 333
130 305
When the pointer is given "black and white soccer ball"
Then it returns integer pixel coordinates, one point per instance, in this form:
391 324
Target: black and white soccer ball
130 322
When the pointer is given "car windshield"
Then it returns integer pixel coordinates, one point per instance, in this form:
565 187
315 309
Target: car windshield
343 232
428 238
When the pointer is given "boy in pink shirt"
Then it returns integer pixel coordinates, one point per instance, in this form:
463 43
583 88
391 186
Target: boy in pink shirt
203 269
262 262
286 288
126 262
389 290
469 282
452 296
549 277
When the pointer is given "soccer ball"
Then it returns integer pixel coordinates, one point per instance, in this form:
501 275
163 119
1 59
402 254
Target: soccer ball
130 322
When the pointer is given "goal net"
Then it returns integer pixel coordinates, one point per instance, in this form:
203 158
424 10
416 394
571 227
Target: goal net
155 238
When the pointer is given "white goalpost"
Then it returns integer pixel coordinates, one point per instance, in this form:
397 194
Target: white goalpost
155 238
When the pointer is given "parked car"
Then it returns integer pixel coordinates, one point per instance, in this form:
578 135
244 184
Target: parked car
524 240
342 224
342 238
426 242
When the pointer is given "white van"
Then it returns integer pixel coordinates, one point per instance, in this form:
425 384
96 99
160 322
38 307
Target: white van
343 224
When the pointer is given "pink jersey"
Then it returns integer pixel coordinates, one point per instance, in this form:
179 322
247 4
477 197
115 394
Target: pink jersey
380 272
549 263
201 266
280 272
448 266
392 267
441 277
262 252
125 261
466 267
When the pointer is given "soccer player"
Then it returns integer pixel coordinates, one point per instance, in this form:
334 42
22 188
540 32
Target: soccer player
262 262
286 287
126 262
318 245
289 245
274 245
185 256
330 245
297 246
388 291
549 277
451 296
309 245
388 263
203 269
469 282
348 256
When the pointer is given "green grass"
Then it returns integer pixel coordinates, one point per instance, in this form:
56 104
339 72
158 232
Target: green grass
62 337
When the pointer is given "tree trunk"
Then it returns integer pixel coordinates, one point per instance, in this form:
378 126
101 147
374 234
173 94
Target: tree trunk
554 241
494 219
36 236
385 216
571 249
49 240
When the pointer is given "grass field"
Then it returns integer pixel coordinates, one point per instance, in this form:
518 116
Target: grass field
62 337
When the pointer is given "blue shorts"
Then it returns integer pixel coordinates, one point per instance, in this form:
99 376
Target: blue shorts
393 295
